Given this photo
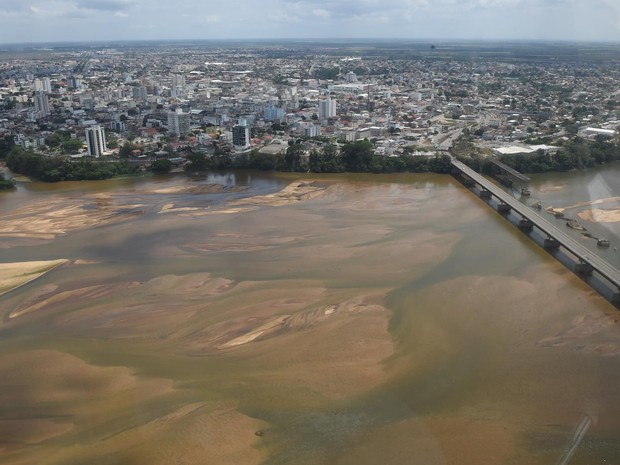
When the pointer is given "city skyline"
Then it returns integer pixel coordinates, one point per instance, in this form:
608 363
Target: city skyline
35 21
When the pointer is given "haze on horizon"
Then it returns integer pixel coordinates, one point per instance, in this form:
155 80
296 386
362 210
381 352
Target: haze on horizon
27 21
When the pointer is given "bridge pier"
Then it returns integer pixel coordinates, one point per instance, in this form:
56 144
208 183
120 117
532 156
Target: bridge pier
551 243
525 224
584 268
485 194
503 208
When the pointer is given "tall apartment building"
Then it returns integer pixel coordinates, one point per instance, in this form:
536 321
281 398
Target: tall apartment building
241 136
139 93
95 139
178 80
273 113
41 103
327 108
178 123
43 84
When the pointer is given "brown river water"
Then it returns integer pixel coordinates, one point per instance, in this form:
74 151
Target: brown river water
343 320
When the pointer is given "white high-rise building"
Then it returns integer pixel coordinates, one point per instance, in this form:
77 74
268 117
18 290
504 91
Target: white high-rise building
178 123
178 80
95 139
327 108
43 84
41 103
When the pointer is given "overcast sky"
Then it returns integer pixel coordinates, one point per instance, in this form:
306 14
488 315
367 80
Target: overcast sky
90 20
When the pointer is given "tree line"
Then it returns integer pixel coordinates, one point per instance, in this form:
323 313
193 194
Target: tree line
578 153
53 169
354 157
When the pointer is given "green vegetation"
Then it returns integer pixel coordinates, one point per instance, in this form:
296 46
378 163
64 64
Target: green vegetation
64 141
6 184
357 157
53 169
576 154
162 166
6 144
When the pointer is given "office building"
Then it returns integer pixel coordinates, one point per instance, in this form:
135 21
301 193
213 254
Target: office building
178 123
95 139
241 136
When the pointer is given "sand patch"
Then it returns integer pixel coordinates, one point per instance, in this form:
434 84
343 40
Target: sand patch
329 351
196 189
263 330
553 188
57 216
600 216
233 242
14 275
295 192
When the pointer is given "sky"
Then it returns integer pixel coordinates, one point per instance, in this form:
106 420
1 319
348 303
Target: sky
104 20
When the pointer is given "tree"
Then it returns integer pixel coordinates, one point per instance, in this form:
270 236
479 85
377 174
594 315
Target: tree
71 146
126 150
357 156
162 166
293 157
6 184
6 144
197 162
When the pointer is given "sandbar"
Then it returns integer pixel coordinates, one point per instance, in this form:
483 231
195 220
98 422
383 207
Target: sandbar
14 275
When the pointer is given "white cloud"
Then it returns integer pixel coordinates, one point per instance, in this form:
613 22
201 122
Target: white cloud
24 20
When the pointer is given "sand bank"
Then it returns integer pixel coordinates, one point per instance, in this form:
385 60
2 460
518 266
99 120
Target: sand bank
14 275
600 216
54 217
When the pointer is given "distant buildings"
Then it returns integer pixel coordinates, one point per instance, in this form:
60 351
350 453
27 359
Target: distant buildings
178 123
95 139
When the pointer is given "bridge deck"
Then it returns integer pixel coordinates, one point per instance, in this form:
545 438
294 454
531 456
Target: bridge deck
583 253
512 171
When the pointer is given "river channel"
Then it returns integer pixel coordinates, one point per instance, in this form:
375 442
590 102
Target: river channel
254 318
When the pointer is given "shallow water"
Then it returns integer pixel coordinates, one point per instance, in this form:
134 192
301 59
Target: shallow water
401 320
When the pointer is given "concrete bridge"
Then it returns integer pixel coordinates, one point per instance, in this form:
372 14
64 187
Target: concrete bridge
586 262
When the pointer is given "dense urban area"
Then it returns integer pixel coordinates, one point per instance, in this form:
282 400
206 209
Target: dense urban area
97 111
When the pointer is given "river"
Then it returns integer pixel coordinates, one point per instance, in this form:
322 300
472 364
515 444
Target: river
350 319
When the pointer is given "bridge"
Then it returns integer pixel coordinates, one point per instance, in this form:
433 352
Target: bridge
511 171
587 261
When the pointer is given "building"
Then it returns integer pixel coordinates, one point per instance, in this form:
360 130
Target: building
41 103
178 123
74 83
241 137
43 84
178 80
139 93
327 108
273 113
95 139
310 130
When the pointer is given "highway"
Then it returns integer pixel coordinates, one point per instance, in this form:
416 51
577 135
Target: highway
584 255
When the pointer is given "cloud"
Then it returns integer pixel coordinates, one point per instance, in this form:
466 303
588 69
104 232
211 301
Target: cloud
102 5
